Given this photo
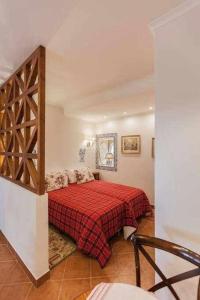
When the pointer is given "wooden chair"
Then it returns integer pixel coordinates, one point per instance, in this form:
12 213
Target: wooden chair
140 240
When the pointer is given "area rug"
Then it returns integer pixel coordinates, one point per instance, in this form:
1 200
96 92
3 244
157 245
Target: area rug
60 246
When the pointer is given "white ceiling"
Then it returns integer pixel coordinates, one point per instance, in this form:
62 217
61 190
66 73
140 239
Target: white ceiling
99 53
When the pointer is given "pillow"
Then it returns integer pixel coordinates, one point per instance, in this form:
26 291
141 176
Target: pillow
84 175
55 181
65 179
71 176
89 170
90 174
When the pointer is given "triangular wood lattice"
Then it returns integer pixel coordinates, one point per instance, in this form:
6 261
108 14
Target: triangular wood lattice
22 115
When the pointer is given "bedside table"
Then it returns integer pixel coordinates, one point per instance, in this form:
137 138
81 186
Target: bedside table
96 175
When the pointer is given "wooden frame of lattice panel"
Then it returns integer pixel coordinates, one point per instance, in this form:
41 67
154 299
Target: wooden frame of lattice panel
22 125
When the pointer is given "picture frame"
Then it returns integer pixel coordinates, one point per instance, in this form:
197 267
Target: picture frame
106 151
131 144
153 148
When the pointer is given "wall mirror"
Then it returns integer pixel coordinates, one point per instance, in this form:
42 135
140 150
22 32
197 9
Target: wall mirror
106 151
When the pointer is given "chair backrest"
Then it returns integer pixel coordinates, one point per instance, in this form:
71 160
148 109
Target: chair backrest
141 240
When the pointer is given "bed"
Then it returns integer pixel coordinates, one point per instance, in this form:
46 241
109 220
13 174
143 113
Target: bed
93 212
135 200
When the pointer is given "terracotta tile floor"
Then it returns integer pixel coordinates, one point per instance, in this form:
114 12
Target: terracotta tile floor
76 274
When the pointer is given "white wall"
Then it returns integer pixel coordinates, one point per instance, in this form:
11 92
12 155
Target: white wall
177 44
133 170
64 137
24 222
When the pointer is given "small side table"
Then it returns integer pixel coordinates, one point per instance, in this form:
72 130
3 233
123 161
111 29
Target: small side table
96 175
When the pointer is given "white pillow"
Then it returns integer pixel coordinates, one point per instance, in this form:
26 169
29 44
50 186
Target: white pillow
89 170
71 176
55 181
84 175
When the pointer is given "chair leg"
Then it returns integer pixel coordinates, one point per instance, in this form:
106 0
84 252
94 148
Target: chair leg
137 267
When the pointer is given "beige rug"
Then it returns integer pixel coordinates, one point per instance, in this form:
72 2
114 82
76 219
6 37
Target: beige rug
60 246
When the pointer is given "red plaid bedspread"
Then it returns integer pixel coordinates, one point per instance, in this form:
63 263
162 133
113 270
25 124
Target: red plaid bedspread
135 200
89 217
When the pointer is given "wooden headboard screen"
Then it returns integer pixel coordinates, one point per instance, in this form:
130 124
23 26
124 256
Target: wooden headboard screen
22 125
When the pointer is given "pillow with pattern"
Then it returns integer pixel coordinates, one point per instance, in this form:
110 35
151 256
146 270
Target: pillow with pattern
55 181
84 175
71 176
89 170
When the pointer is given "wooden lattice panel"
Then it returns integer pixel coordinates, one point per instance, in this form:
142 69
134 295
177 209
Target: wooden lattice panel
22 128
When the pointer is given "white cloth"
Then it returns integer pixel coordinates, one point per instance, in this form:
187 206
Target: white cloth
128 230
119 291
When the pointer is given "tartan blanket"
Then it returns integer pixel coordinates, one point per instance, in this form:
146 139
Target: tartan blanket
135 200
93 212
89 217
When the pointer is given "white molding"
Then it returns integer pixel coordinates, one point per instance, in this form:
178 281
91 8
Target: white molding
173 14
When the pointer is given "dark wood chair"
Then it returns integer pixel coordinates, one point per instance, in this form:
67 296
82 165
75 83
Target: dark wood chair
139 241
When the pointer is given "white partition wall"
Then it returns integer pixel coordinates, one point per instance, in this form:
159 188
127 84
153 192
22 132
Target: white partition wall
177 45
24 222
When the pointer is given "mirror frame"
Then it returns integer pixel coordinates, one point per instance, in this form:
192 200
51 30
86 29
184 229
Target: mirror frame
107 135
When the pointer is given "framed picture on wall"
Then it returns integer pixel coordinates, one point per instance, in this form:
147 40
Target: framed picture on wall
153 148
131 144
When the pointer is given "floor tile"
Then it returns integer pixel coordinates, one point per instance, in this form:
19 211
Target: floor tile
14 254
109 269
73 276
119 245
18 274
125 263
5 253
12 272
2 239
130 279
15 292
57 272
147 279
73 288
77 267
48 291
146 226
6 270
